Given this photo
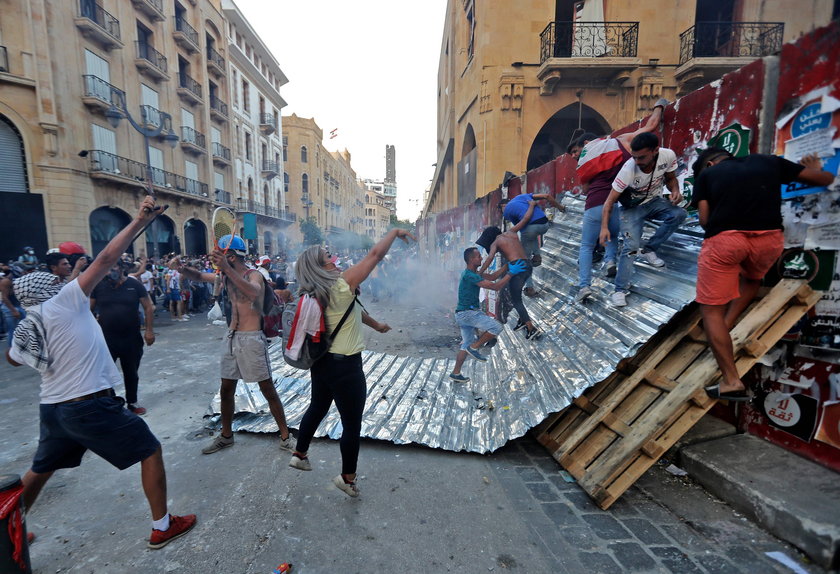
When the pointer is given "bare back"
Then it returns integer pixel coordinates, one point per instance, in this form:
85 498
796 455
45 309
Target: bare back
509 245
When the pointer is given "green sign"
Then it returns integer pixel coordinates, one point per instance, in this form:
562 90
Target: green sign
734 138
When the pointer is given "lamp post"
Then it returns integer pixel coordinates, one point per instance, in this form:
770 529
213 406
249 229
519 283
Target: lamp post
306 203
148 129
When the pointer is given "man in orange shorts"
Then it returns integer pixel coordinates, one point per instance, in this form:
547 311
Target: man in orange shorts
739 202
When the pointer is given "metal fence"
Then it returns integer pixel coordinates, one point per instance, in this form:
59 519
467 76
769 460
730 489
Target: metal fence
589 40
731 40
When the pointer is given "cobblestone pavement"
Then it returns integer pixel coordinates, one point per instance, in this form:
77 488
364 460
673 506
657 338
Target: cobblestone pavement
420 510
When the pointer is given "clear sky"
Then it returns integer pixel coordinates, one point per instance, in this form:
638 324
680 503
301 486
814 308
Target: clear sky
367 68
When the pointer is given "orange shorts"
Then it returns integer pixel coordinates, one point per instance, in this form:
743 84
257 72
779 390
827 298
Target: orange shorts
727 256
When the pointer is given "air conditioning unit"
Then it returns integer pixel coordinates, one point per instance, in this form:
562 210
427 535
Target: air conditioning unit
169 185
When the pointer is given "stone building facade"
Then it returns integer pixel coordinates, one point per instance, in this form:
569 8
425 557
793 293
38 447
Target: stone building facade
513 88
73 166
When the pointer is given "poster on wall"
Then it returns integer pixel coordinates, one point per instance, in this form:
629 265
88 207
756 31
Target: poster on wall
795 414
829 429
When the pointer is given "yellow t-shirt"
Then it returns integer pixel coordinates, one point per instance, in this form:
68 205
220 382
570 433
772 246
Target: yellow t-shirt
349 340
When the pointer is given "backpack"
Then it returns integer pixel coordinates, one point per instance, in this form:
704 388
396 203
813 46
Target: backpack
311 350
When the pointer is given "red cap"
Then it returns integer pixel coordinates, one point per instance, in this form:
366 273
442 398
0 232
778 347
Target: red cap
71 248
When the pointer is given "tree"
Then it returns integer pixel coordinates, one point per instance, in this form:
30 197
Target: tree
312 234
401 223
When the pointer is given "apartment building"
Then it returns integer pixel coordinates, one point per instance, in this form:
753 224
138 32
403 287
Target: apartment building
320 185
379 208
513 87
255 81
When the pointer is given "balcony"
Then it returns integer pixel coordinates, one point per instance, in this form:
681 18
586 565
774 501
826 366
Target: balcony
269 170
4 59
221 154
116 169
151 62
223 196
99 95
215 62
185 35
268 124
250 206
218 109
188 89
600 53
708 50
98 25
193 142
151 8
151 118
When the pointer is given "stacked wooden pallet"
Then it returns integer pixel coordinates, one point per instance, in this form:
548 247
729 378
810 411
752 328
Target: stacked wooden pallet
620 427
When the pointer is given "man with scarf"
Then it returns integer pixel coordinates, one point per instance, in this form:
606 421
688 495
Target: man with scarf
79 410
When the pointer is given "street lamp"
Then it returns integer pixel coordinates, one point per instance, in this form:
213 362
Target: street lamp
306 203
148 129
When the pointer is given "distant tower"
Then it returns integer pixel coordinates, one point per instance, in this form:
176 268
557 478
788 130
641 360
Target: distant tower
390 164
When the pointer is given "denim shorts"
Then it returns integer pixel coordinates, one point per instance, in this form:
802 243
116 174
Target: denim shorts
102 425
473 319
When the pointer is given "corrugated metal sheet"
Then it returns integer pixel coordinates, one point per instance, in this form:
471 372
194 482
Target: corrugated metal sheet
412 400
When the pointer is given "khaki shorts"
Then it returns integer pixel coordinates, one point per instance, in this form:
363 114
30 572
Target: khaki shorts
245 356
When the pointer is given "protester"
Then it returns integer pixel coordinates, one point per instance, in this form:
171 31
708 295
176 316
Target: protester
641 180
739 204
338 376
79 409
115 303
245 349
28 257
598 164
264 267
492 240
514 210
10 308
173 295
468 313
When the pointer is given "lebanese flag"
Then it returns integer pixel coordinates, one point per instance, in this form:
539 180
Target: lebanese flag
598 156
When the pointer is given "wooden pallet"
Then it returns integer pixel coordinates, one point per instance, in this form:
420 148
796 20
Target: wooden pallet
620 427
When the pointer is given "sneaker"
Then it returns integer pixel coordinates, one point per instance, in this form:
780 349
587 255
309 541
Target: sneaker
288 443
612 269
618 299
348 488
218 444
491 343
178 526
519 325
582 294
300 462
534 334
651 258
459 378
475 354
137 410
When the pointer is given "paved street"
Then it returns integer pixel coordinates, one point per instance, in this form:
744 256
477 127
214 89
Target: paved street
420 510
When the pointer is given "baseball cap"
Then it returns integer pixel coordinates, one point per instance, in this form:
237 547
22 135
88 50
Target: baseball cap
263 260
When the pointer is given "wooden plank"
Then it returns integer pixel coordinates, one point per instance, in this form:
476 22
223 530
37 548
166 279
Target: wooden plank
611 402
661 382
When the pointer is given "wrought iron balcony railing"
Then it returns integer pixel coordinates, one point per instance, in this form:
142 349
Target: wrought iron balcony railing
146 52
190 136
99 16
731 40
589 40
216 58
218 106
4 59
185 81
152 116
102 161
270 167
221 151
100 89
222 196
182 26
268 120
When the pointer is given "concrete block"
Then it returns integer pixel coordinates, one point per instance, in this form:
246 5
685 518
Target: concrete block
707 428
793 498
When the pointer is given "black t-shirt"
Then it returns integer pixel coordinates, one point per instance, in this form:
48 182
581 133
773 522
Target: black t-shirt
118 307
745 193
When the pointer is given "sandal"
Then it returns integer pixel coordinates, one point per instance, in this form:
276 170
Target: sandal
737 396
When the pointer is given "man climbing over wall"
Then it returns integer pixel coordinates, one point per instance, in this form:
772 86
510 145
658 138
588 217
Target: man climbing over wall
739 203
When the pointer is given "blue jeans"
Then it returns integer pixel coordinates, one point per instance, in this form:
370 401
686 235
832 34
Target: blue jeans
9 322
589 239
632 221
529 236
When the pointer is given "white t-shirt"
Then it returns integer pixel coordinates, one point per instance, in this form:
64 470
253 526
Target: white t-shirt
631 175
80 363
264 272
146 280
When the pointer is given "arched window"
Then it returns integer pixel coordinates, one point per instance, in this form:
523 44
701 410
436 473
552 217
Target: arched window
304 154
304 183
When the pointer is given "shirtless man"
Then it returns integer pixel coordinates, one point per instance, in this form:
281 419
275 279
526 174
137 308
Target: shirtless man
245 353
492 239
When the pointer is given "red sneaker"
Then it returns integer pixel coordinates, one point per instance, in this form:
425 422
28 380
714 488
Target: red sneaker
137 409
178 526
